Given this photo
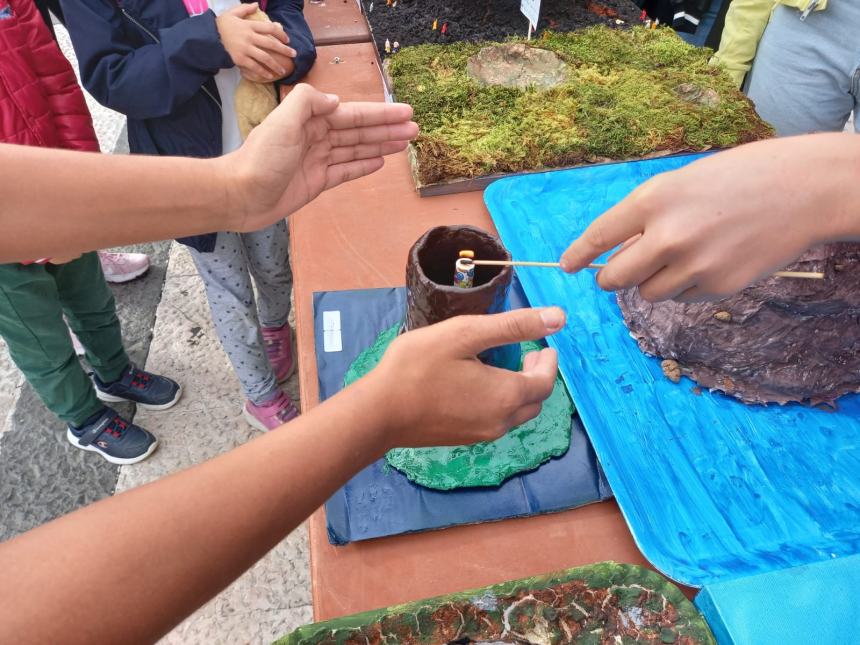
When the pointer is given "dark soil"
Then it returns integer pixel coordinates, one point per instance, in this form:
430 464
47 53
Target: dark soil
411 21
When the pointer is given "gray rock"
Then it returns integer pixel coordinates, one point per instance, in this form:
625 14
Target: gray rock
517 65
703 96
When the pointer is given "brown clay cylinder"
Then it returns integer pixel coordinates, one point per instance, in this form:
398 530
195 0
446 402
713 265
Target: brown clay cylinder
431 295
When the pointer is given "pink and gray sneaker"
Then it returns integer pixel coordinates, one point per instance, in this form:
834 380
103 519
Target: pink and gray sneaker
122 267
279 349
270 415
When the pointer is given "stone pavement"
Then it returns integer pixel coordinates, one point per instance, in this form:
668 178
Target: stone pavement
167 328
274 596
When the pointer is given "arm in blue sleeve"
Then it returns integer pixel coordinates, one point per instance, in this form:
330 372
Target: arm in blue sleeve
145 81
289 14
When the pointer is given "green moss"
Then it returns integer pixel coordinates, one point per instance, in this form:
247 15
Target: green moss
619 102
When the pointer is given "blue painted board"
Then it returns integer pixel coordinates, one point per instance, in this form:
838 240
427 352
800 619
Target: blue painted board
380 501
813 603
712 489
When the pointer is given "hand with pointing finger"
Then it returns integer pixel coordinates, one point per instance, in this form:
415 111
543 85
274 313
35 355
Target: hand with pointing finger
711 228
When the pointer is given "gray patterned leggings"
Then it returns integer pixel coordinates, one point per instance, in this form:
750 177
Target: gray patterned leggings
226 274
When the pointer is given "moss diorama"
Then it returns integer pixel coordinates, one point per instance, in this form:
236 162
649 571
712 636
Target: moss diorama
590 605
568 99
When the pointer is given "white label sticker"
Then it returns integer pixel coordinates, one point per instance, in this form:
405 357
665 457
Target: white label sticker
531 10
332 341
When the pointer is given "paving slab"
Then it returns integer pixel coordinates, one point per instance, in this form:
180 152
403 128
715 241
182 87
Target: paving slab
10 384
274 596
41 475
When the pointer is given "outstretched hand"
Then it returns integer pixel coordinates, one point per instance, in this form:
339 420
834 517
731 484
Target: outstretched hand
434 391
715 226
309 144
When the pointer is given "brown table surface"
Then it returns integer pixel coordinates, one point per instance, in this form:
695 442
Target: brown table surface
337 22
357 236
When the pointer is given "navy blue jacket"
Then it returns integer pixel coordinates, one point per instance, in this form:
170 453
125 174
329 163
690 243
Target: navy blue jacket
152 62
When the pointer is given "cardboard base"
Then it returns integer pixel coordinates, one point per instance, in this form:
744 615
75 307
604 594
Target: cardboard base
381 501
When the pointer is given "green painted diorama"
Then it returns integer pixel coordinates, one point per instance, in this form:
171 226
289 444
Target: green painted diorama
569 99
523 448
591 605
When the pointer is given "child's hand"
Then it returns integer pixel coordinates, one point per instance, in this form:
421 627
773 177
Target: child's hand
258 49
308 144
709 229
421 379
287 63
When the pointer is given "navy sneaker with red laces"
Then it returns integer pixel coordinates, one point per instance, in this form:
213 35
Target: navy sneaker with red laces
117 440
149 391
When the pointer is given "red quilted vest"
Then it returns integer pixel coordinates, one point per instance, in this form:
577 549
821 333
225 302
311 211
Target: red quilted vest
40 101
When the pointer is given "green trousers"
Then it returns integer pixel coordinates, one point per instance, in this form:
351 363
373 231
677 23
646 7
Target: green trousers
33 299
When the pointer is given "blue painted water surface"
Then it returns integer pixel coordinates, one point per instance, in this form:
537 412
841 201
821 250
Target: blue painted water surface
711 488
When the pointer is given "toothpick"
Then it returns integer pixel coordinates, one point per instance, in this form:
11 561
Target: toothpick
806 275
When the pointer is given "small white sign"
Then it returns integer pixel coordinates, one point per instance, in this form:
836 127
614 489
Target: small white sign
531 10
332 341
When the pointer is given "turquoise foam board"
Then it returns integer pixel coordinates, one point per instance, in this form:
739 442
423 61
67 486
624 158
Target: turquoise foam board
712 489
809 604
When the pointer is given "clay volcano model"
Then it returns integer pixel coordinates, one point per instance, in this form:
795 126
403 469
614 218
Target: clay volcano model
595 95
779 341
598 603
431 298
410 22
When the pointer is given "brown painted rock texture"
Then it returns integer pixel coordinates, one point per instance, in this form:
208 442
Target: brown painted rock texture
779 341
604 603
431 296
517 65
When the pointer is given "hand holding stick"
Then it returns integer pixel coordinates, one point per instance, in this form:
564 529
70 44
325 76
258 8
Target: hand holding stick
806 275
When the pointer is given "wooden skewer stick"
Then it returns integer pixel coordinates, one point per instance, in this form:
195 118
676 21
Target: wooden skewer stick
806 275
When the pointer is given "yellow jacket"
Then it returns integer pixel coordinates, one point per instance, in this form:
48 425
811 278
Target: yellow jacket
745 23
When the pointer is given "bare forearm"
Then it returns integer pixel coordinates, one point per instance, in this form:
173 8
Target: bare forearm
151 556
164 549
59 202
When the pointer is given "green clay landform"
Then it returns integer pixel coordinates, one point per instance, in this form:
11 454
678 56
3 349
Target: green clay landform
483 464
628 94
591 605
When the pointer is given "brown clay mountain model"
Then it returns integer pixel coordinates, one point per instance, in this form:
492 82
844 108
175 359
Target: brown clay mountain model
779 341
595 95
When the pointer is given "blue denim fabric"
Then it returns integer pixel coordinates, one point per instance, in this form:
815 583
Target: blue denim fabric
705 25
